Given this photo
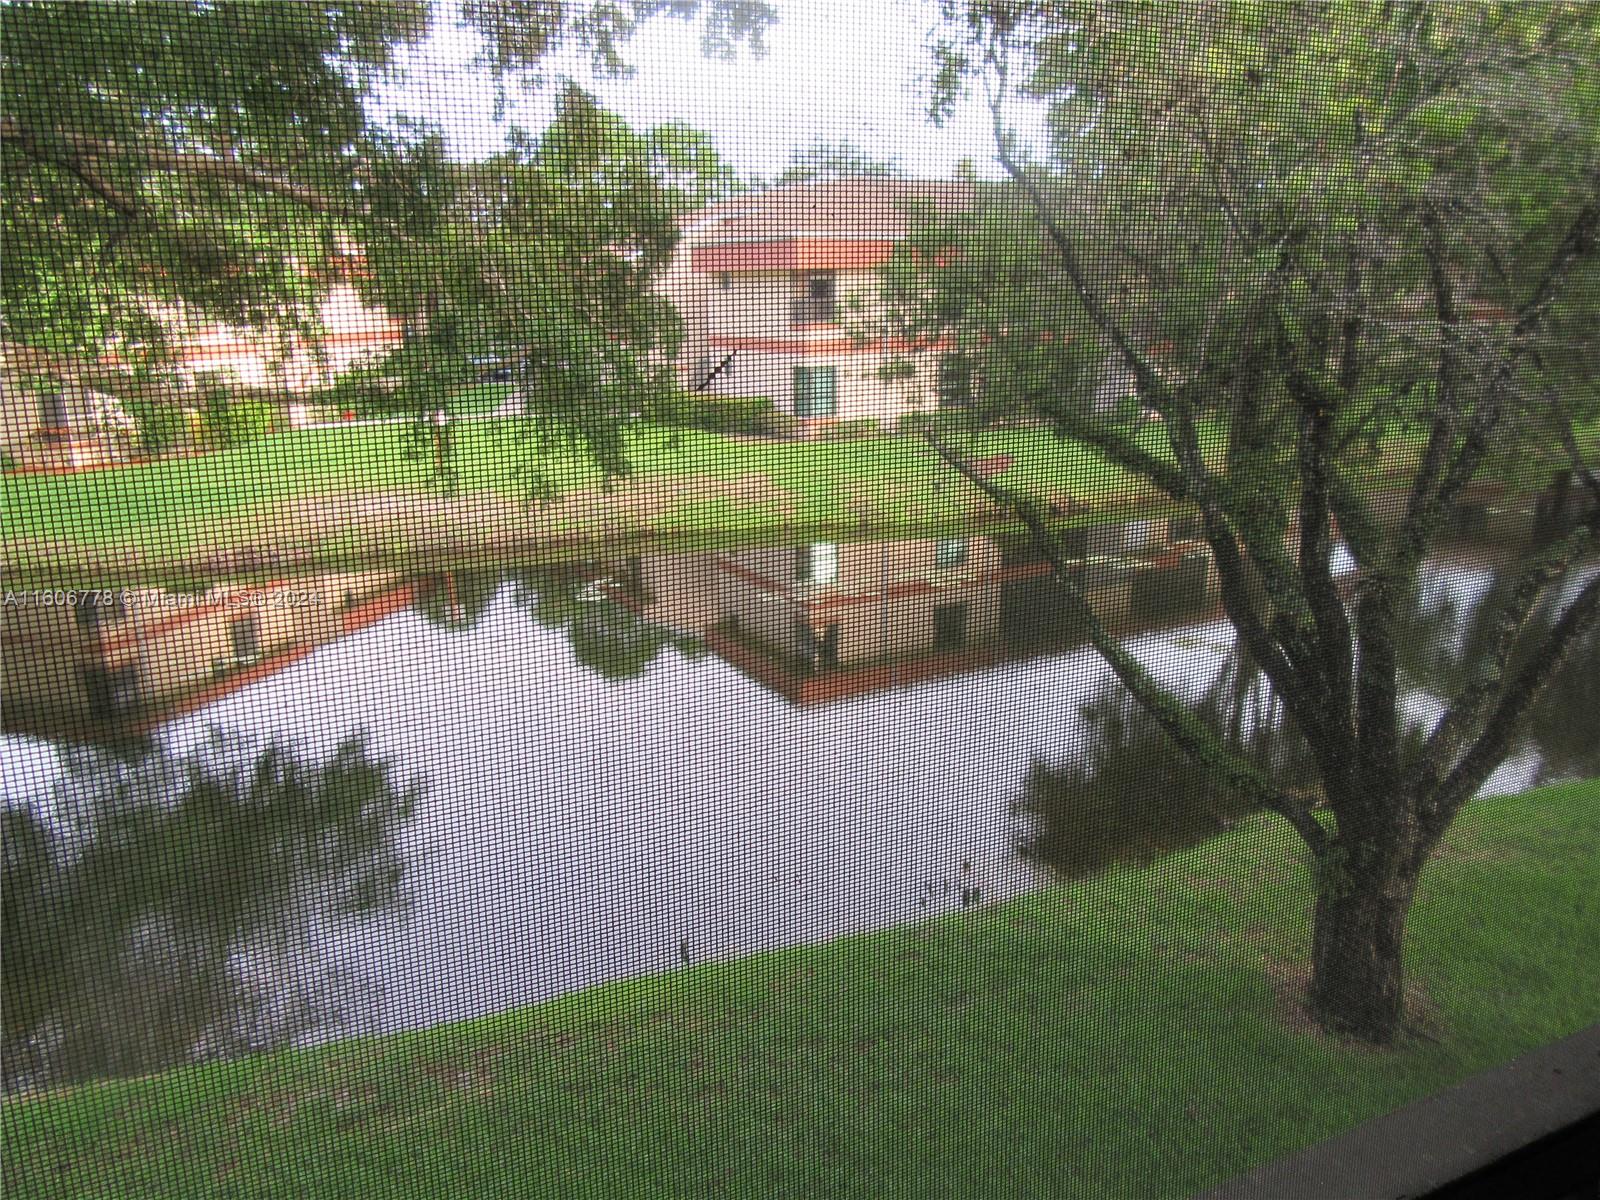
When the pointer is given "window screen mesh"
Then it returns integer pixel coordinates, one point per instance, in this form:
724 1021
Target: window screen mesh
717 598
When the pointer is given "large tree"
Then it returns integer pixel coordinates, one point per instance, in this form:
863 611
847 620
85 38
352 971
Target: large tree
1343 257
220 155
542 259
822 162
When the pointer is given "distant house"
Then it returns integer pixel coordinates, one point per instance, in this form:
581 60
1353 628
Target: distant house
287 364
62 411
767 287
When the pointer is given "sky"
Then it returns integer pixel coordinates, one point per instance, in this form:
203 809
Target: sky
834 70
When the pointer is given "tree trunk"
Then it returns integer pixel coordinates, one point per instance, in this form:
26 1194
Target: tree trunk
1358 939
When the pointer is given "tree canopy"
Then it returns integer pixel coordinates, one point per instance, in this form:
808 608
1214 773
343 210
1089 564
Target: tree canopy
218 155
822 161
1342 259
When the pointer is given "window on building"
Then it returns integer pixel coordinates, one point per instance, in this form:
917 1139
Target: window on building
53 409
99 608
725 282
955 381
949 626
817 563
245 634
817 647
817 301
111 691
949 553
816 391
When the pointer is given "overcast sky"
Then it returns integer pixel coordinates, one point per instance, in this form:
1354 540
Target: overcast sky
835 70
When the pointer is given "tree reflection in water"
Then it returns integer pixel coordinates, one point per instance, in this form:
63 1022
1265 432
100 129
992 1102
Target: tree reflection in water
157 907
1134 797
604 635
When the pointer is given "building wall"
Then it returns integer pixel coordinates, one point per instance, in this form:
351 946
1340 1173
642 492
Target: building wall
735 281
752 319
89 428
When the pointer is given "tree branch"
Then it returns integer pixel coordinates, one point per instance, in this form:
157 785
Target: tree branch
1185 443
81 155
1456 725
80 167
1331 622
1426 510
1185 729
1493 743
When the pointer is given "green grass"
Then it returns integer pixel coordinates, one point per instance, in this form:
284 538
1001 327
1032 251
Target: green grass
180 506
1118 1036
479 398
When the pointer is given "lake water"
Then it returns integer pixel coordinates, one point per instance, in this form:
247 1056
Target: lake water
578 774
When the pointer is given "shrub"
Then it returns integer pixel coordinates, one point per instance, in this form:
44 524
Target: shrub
718 414
364 390
162 426
781 425
914 422
232 419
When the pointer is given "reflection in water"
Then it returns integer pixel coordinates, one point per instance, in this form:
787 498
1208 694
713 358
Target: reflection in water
604 635
631 762
159 908
1132 796
1453 628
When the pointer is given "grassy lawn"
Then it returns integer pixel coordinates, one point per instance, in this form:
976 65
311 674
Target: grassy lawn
479 398
170 509
1122 1035
351 494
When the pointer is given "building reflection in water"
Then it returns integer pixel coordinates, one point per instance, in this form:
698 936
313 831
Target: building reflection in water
98 665
815 623
827 621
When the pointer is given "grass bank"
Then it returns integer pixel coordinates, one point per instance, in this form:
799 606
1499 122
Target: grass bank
1131 1034
334 496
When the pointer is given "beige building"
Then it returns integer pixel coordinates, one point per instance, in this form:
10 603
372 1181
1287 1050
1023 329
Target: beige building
777 291
66 412
61 412
343 332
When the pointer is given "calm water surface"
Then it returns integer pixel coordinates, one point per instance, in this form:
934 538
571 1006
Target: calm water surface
565 778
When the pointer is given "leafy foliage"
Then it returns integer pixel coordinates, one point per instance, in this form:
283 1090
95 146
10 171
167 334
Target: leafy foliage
1344 255
214 159
836 160
543 257
231 417
162 425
